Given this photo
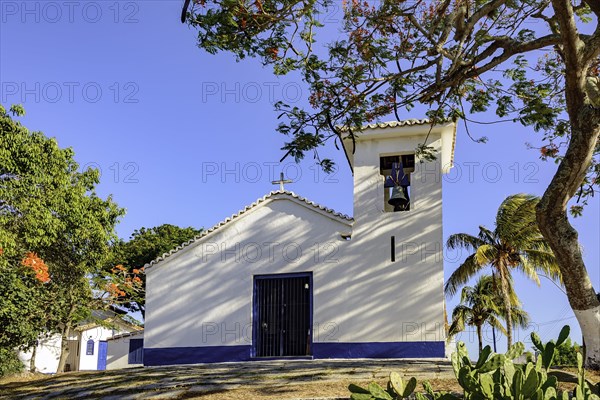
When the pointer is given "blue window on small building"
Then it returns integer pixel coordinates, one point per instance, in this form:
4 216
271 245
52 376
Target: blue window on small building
89 350
136 351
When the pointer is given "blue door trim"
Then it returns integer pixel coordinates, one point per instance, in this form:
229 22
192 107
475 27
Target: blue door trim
308 275
102 354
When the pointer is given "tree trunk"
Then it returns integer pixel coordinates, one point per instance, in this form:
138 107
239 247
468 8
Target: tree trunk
551 211
563 238
64 348
480 338
32 359
504 288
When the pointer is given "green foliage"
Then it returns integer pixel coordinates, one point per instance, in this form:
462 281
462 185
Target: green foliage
22 302
9 362
455 58
145 245
494 376
549 350
396 389
566 354
55 233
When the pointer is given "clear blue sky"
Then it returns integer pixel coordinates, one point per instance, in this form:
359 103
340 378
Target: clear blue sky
187 138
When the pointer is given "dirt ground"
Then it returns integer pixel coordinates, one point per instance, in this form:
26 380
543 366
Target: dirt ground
310 390
219 383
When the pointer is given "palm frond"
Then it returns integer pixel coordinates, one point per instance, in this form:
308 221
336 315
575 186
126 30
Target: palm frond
459 315
515 212
461 276
463 240
466 294
528 269
525 234
485 254
520 317
544 261
496 323
486 235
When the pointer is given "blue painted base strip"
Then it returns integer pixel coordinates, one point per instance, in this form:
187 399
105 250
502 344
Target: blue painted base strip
215 354
196 355
379 350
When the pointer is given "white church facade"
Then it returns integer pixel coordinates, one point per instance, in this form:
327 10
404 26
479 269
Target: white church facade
288 278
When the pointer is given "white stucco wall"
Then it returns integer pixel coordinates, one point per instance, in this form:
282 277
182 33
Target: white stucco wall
97 334
47 355
401 300
118 352
48 350
202 295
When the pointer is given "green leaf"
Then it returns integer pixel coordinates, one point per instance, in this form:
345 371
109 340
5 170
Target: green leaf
516 350
563 335
410 387
497 361
361 396
396 382
378 392
357 389
483 356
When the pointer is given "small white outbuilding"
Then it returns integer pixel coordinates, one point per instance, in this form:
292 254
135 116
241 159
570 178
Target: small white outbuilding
125 350
87 344
286 277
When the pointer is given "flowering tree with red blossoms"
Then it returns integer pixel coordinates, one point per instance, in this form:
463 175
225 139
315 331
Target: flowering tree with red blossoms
55 235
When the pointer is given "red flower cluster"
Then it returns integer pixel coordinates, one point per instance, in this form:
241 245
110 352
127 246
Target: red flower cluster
114 290
119 268
550 150
38 266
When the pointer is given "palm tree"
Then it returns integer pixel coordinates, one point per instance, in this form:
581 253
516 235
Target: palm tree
482 304
515 243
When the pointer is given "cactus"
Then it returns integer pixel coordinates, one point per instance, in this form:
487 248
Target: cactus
563 335
359 393
495 362
531 384
455 363
516 350
398 385
548 351
548 354
378 392
493 376
486 382
537 342
483 356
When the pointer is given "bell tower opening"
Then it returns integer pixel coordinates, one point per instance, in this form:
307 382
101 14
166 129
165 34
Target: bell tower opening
396 170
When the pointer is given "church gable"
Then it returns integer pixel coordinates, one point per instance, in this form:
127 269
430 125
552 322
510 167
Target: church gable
279 214
211 279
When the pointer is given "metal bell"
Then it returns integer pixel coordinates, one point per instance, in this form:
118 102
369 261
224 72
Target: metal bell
399 198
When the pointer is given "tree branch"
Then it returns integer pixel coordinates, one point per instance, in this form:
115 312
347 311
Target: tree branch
510 47
594 6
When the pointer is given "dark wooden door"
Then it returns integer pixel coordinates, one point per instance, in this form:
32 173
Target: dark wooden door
282 319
